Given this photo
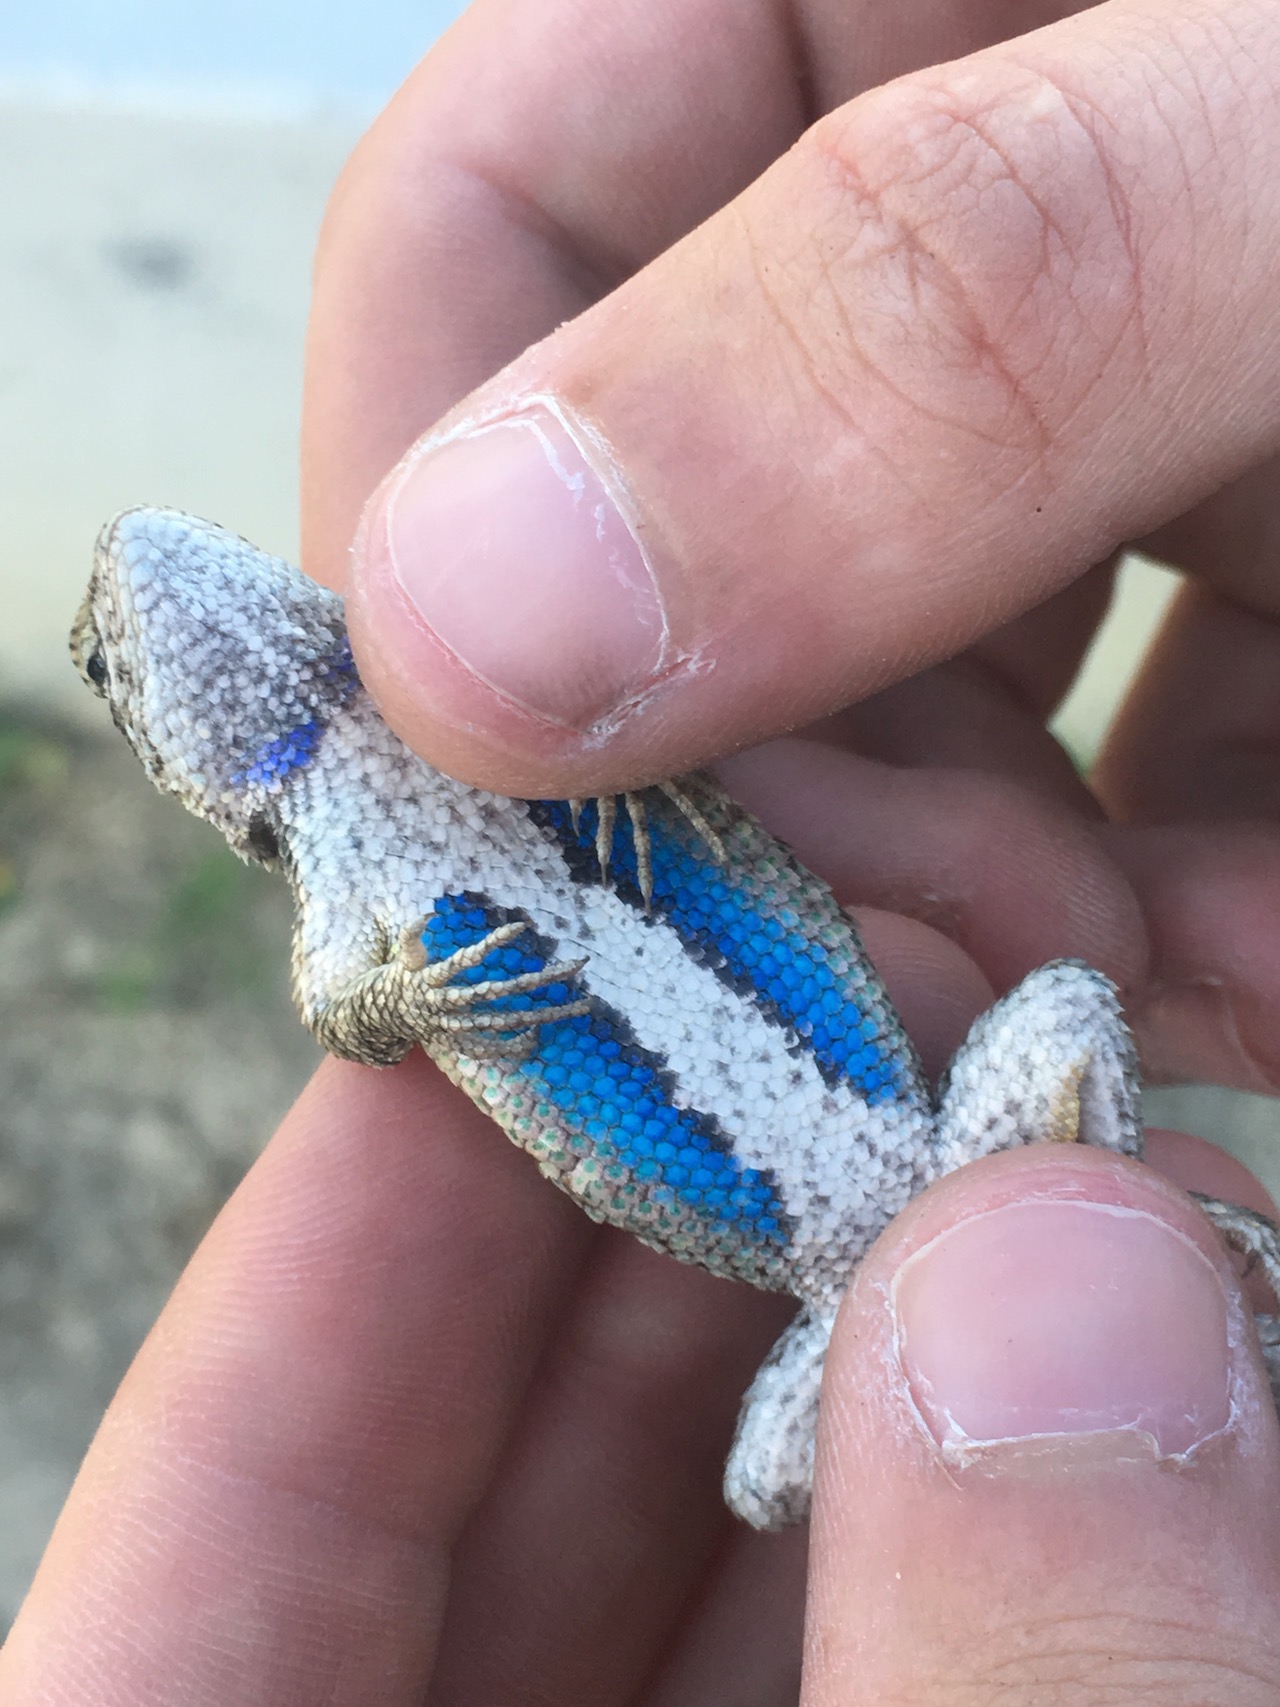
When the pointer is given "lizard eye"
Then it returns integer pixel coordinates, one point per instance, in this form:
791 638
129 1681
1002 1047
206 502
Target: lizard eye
263 842
95 667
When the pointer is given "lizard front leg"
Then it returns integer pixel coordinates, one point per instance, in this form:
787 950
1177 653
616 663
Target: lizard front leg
681 795
410 999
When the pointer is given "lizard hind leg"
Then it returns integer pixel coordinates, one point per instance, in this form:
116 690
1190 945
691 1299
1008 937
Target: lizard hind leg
768 1479
1053 1060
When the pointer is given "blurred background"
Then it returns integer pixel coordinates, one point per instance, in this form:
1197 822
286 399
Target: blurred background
166 168
165 171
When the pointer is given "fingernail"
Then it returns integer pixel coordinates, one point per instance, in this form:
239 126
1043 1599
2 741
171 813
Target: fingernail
510 546
1065 1320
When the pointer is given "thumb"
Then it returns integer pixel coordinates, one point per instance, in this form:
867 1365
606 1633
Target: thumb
1049 1465
926 368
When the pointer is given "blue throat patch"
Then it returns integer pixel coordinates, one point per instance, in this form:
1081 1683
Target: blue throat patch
335 680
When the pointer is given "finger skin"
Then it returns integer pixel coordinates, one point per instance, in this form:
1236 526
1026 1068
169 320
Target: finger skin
1199 735
932 361
267 1511
1184 918
536 158
353 1425
606 1514
743 1644
988 708
1074 1576
1207 1009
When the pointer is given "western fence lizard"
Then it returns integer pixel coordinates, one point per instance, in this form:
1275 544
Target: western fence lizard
670 1014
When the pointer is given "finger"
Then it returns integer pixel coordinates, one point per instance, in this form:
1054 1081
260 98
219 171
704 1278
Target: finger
268 1509
988 708
1197 1165
1198 737
913 379
741 1646
1184 919
610 1491
515 179
1049 1463
537 157
1231 541
1207 1009
1009 876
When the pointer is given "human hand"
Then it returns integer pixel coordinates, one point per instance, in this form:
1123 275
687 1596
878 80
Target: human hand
413 1430
969 334
340 1401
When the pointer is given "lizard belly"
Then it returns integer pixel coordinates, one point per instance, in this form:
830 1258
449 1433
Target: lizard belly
684 1107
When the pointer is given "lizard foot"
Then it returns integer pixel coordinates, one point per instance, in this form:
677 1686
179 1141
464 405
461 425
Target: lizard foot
768 1480
1257 1238
634 804
411 999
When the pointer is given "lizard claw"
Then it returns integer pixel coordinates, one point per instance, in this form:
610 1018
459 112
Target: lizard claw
685 804
606 817
410 998
638 814
411 952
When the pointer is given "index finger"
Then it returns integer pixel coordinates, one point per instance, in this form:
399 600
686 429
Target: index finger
537 157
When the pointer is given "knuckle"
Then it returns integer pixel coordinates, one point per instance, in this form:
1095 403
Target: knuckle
970 250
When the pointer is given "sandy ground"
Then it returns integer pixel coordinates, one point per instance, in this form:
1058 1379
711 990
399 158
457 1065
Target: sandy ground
153 287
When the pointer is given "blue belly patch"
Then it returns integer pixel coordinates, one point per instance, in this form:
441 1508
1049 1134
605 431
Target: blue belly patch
763 954
608 1088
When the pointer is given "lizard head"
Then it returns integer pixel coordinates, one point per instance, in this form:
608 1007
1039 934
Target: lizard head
220 666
